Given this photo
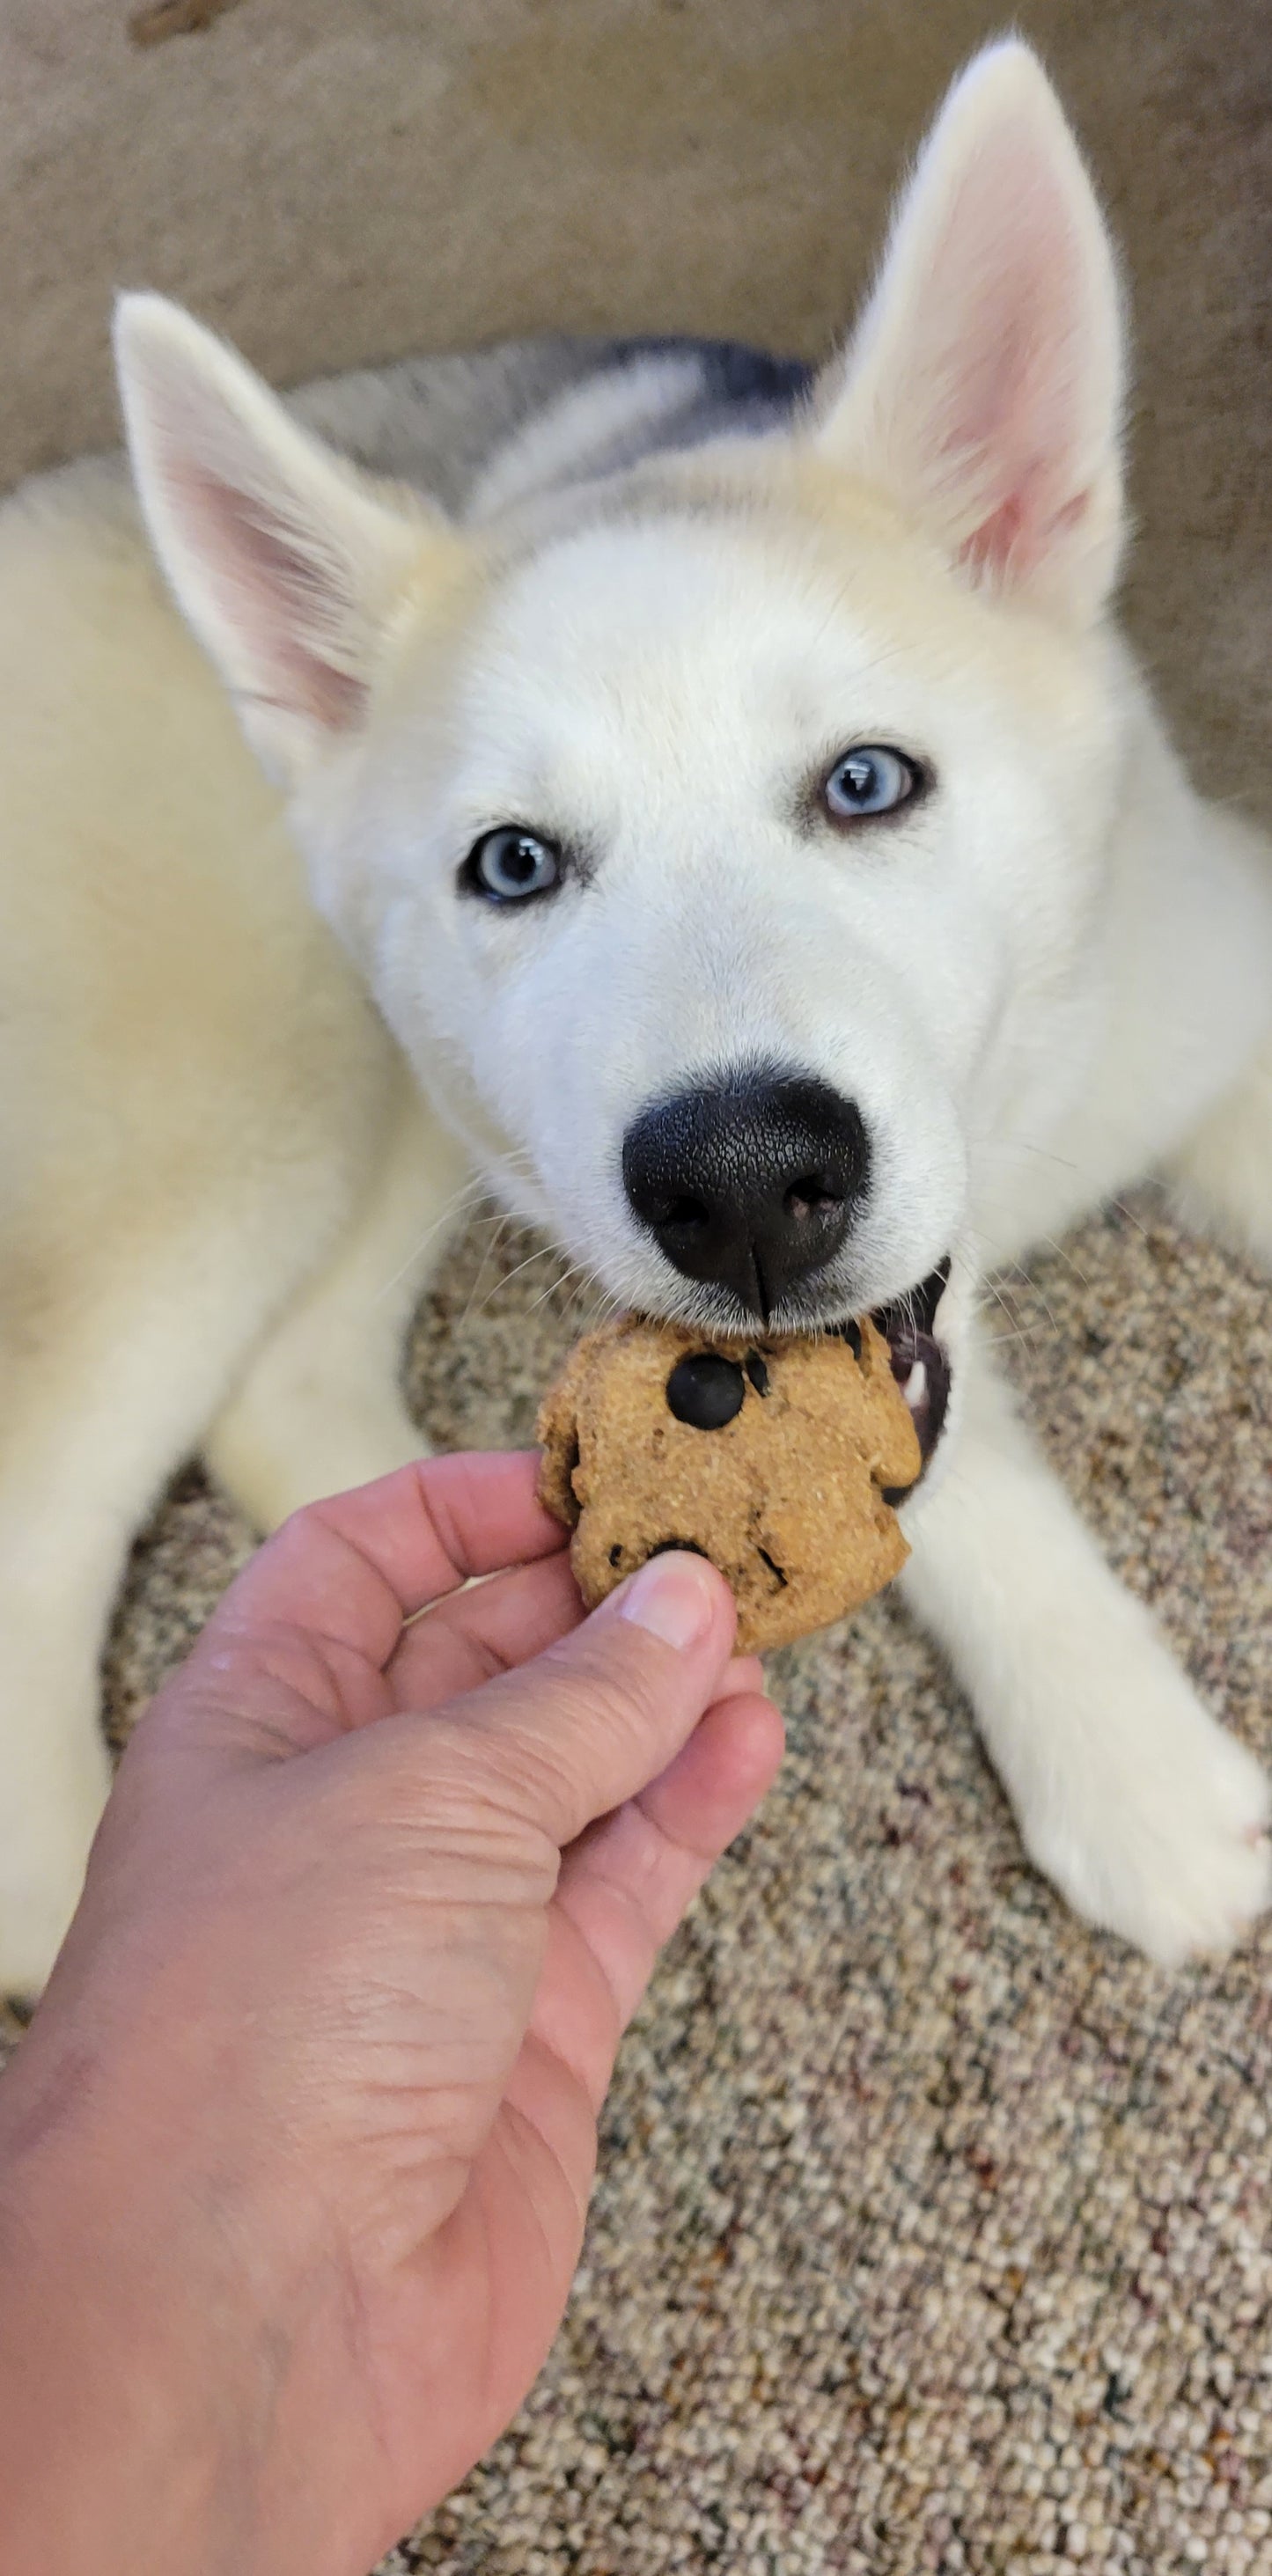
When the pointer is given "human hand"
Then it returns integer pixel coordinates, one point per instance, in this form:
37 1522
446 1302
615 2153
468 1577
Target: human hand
295 2159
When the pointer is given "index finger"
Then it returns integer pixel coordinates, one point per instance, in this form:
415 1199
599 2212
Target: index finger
354 1568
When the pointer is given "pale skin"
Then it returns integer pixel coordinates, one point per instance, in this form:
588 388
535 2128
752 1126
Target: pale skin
295 2159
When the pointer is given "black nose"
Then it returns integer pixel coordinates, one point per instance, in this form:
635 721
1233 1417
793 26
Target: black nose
750 1182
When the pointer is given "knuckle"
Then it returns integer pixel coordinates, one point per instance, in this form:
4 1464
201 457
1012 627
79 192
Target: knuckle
483 1771
540 1775
470 1821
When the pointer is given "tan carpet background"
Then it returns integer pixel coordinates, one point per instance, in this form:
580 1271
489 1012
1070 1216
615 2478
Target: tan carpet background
932 2233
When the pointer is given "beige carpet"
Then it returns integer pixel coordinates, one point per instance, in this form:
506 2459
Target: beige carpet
932 2232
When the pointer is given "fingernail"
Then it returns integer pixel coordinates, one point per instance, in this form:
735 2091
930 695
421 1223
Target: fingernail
673 1597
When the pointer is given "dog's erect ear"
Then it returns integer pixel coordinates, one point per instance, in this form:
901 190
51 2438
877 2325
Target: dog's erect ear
286 562
983 385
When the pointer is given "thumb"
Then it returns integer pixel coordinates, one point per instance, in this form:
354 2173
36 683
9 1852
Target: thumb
600 1714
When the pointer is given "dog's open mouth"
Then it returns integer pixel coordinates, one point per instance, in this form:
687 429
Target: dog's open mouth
919 1364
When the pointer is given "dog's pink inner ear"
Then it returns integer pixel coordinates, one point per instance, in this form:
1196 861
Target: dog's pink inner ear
290 606
1012 539
289 565
983 384
999 360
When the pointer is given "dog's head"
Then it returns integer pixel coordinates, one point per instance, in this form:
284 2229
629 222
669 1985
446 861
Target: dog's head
720 840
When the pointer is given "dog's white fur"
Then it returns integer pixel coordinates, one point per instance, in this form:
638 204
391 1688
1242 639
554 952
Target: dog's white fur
1049 977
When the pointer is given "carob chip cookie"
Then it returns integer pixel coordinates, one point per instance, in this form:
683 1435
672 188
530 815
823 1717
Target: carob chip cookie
773 1459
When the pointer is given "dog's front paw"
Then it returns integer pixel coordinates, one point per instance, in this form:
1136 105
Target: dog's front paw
42 1864
35 1912
1169 1849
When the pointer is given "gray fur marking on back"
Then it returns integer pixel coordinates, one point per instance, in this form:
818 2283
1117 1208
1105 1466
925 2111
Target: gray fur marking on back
439 423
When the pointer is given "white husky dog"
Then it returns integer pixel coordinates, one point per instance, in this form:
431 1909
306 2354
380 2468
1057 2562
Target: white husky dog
711 800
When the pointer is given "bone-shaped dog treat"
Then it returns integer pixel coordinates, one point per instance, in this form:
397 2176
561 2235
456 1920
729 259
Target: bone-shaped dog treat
775 1459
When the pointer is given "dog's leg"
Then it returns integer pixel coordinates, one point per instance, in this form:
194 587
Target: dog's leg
319 1408
1149 1817
1223 1175
101 1400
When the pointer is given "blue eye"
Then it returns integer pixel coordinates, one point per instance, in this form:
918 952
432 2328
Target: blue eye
869 780
510 864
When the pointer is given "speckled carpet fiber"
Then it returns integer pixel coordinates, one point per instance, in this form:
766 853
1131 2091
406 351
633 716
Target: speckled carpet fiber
932 2232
